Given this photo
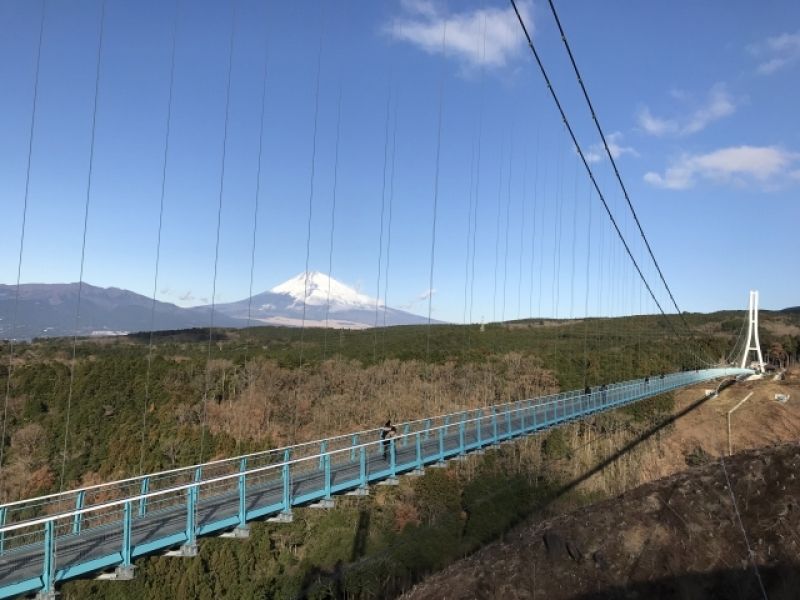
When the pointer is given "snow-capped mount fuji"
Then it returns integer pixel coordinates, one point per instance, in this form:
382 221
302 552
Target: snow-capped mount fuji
344 308
318 289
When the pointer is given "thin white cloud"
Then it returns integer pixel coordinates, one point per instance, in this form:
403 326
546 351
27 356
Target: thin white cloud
423 23
765 165
717 105
597 152
777 52
426 294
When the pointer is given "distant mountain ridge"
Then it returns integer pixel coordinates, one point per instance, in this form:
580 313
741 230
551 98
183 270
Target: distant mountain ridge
49 309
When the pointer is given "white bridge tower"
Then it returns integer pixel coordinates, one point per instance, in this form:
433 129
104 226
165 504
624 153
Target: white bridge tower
753 342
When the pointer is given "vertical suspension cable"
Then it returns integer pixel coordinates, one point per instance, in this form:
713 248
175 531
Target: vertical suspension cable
522 229
389 225
383 214
256 206
497 233
535 222
508 219
586 300
86 207
477 179
165 155
541 242
574 240
333 219
310 217
311 189
469 233
25 198
436 192
221 194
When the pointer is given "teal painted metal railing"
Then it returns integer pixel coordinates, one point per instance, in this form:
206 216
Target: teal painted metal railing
61 536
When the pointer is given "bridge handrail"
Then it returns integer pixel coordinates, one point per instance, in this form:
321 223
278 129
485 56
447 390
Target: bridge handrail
260 453
257 470
42 500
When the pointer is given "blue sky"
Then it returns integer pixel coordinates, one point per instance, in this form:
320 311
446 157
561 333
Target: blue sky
699 100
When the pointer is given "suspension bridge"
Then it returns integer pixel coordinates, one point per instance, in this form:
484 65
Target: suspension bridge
99 530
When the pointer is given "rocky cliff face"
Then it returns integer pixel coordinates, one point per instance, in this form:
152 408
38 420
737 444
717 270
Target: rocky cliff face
685 536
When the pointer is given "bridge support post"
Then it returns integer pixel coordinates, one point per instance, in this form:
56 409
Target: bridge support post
362 489
242 530
124 572
419 468
495 440
327 501
285 516
392 480
48 590
77 519
441 463
143 489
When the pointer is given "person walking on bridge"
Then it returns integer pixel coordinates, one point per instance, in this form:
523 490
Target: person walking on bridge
388 431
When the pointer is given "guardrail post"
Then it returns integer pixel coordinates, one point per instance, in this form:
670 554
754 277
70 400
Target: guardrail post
441 445
3 512
242 530
461 426
494 426
286 514
427 428
353 445
406 429
143 489
446 423
327 458
78 517
478 428
362 468
48 563
508 423
419 452
392 460
323 448
125 570
189 548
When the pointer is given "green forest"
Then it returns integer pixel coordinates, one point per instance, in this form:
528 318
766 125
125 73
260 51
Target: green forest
145 402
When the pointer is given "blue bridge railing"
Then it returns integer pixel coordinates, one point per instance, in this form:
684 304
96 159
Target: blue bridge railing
56 537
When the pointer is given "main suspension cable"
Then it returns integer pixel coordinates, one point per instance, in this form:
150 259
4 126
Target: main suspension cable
613 162
583 158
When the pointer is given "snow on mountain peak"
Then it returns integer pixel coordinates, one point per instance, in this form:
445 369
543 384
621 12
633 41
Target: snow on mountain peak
315 286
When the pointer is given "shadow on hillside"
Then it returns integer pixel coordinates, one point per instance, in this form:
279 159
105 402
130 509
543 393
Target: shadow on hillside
781 582
329 582
646 435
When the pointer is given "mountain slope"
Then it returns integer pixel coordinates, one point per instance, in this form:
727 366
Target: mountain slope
679 537
50 309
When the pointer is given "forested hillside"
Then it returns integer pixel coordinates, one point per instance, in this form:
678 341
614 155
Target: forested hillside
144 402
